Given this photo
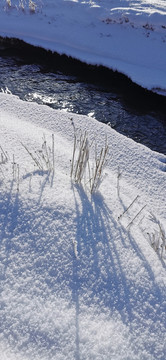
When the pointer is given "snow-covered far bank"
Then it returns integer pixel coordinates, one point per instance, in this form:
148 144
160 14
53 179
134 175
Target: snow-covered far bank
126 36
82 276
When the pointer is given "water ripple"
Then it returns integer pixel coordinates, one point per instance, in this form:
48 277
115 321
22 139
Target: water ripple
31 83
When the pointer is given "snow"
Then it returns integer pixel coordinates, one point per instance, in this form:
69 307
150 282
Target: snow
79 276
128 36
83 276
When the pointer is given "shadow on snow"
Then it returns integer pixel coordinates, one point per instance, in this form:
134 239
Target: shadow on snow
38 239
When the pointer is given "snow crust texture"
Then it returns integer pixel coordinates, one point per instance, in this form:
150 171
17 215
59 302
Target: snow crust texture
80 275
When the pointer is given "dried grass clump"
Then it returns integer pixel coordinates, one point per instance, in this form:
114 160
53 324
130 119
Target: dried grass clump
158 237
43 158
84 168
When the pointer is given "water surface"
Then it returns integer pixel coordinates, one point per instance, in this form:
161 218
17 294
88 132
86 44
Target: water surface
33 82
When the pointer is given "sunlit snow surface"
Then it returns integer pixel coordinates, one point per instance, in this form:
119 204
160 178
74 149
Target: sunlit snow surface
82 277
129 36
79 276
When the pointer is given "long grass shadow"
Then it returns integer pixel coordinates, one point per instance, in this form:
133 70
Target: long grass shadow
46 177
102 276
98 254
99 275
8 213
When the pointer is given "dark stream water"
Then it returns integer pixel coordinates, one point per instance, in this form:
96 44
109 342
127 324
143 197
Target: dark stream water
33 82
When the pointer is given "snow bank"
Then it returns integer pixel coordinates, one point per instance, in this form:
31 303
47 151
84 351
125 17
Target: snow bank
121 35
79 276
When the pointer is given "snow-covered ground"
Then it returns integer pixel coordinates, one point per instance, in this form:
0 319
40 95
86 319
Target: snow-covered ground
82 276
124 35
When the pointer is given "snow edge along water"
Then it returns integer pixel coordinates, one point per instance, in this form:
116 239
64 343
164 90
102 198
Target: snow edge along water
131 93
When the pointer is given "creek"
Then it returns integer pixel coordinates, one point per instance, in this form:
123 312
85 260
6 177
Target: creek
33 81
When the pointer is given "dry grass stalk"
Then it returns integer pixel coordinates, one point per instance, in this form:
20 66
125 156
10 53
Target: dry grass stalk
3 156
118 178
139 212
32 6
44 158
9 4
125 211
158 237
95 175
79 162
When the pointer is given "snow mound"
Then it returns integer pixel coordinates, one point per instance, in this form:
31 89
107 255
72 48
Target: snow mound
79 276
